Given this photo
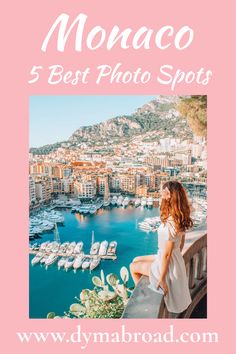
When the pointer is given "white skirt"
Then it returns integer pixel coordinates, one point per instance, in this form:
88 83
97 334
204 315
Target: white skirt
178 297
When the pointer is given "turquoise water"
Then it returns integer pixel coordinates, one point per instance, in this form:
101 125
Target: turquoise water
54 290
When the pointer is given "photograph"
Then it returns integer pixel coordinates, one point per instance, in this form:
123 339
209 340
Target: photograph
117 206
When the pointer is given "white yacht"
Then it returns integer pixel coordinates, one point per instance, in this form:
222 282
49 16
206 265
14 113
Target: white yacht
93 209
94 248
47 225
43 260
63 247
150 202
120 200
78 262
112 248
150 224
143 201
51 259
69 263
55 248
137 202
61 262
37 258
78 248
114 200
85 209
70 249
86 264
43 245
125 202
103 248
94 263
145 226
106 202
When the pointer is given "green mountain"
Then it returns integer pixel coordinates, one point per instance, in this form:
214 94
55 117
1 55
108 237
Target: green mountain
154 120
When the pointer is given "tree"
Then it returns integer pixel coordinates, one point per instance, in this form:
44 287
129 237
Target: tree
194 109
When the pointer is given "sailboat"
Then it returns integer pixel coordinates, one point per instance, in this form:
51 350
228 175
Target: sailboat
94 263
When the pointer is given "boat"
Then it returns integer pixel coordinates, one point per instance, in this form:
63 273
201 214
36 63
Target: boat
69 263
150 224
51 259
120 200
63 247
55 248
125 202
94 263
61 262
49 247
106 203
47 226
78 262
145 226
94 248
137 202
114 200
37 258
93 209
84 209
35 246
43 245
86 263
111 251
70 248
150 202
43 260
78 248
143 202
103 248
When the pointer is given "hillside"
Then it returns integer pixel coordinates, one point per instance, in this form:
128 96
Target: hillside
158 116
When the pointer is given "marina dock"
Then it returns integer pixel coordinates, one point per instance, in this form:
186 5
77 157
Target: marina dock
113 257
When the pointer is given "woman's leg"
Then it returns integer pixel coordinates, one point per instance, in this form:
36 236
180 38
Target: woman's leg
137 269
148 258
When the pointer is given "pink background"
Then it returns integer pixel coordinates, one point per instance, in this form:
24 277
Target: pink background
24 27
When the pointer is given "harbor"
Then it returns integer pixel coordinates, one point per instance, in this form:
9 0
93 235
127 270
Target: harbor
70 254
54 287
45 218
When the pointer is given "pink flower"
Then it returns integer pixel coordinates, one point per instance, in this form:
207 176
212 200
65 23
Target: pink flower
165 193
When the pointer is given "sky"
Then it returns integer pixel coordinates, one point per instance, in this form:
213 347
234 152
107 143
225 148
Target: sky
55 118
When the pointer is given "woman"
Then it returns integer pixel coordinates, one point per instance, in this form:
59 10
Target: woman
166 270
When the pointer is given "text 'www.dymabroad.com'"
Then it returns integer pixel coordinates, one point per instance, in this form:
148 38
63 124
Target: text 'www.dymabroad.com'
84 338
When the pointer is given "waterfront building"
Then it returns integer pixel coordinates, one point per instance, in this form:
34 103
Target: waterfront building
32 192
141 191
68 185
127 183
85 189
43 190
56 185
102 184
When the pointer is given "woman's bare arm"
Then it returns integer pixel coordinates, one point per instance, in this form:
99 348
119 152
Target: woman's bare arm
182 242
166 259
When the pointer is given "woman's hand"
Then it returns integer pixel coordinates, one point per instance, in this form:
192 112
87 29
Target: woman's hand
162 284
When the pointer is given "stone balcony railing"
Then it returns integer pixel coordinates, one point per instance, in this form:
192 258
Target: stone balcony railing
145 303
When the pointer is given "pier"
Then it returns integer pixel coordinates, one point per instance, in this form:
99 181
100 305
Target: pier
112 257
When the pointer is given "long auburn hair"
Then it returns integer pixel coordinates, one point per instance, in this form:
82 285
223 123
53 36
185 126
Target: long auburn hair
176 206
